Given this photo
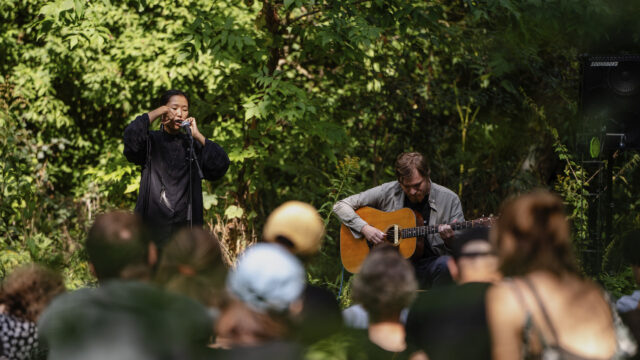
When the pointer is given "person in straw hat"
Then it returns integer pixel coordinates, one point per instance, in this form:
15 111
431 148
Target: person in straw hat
298 227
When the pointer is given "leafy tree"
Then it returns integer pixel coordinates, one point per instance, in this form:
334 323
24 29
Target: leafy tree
311 99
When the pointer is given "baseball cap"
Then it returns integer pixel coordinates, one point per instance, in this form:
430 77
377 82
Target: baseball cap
480 233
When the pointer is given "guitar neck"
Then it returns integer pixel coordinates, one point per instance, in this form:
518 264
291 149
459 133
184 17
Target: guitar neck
433 229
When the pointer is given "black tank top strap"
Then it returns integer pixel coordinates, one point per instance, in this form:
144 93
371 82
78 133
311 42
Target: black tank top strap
528 326
545 315
626 344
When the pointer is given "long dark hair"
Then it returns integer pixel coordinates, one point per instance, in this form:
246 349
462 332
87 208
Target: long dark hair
164 98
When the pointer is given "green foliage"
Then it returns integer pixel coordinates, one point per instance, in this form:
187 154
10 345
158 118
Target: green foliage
616 274
322 270
37 224
619 284
333 347
289 88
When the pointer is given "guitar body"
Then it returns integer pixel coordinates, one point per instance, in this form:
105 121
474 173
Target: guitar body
353 251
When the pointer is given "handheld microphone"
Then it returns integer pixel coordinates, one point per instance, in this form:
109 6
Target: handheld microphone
185 125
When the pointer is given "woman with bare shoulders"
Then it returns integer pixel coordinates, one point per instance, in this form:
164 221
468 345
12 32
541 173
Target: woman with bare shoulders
545 309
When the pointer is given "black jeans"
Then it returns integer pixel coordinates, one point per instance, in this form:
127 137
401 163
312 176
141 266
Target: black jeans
432 271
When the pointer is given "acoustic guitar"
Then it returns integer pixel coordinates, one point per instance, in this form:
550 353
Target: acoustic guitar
402 230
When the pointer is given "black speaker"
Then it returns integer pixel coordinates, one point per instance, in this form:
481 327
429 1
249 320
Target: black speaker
610 98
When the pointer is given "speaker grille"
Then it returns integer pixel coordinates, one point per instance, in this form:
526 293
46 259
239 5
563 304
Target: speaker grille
610 96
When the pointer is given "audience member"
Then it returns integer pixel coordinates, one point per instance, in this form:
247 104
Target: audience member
450 322
119 248
191 264
356 317
24 295
546 309
125 317
385 285
298 227
266 288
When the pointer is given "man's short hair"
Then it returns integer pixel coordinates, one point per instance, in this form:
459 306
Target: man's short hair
480 233
118 245
406 162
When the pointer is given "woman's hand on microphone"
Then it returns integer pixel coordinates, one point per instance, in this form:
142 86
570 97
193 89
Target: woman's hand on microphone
194 130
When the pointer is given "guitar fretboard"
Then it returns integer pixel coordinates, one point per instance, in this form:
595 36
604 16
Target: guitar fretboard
433 229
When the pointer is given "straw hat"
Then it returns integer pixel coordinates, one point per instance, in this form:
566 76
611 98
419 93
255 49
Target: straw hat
297 222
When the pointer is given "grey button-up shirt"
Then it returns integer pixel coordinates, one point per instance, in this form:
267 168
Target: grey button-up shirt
445 208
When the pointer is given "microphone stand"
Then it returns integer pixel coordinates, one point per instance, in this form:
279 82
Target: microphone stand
192 157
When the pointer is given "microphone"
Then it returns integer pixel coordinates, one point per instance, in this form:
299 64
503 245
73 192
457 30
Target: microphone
185 125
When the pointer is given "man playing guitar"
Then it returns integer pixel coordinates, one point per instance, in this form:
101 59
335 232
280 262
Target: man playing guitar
413 189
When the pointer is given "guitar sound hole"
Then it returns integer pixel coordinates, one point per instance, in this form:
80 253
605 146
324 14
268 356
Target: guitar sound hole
390 236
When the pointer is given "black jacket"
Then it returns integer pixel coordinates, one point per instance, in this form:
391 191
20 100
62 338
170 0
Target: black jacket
164 185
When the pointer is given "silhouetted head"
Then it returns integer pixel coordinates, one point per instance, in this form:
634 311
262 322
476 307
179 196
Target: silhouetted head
191 264
473 257
118 247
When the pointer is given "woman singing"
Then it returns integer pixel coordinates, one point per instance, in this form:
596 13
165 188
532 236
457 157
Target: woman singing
170 180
